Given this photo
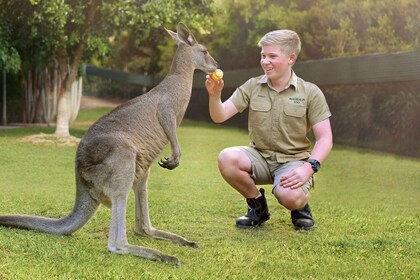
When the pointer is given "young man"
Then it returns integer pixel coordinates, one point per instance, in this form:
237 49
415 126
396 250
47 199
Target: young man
283 108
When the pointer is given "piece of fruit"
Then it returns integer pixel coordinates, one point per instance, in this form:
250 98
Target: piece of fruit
217 75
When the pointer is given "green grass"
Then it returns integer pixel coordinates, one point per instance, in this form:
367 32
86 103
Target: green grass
91 114
366 206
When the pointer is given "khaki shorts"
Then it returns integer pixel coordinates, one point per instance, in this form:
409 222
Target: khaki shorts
267 171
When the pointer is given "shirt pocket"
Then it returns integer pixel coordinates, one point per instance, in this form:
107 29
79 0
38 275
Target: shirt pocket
260 108
294 111
295 119
260 104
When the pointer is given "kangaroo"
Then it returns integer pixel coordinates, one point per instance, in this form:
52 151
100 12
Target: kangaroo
116 154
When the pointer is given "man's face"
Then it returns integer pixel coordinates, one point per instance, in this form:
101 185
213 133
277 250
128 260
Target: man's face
275 63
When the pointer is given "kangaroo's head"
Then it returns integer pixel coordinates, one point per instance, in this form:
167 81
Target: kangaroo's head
200 56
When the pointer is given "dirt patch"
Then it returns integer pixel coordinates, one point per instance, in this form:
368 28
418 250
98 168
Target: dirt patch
87 102
43 138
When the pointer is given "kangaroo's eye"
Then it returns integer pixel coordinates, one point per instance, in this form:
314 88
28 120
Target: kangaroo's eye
205 52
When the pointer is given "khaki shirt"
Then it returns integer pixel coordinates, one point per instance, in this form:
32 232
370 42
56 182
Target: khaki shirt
278 122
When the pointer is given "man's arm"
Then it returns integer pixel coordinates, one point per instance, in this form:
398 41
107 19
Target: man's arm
323 140
323 145
219 111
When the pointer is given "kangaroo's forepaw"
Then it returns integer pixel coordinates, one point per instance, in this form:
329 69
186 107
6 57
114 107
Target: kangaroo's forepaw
169 163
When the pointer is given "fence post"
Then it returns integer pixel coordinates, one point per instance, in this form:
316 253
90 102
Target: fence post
4 99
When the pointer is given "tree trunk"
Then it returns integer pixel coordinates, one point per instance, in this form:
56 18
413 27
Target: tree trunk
50 93
41 99
76 98
54 93
66 98
63 117
28 95
68 108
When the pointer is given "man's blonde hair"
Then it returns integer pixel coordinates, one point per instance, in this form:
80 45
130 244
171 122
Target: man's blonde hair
287 40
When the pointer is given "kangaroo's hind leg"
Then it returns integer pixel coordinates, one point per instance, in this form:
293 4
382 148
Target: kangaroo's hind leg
120 181
143 224
117 242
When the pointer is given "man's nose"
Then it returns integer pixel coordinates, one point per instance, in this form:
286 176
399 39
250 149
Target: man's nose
265 60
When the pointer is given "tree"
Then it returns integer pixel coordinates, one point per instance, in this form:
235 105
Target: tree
9 62
328 28
54 37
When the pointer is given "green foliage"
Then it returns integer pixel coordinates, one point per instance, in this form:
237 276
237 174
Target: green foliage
36 28
328 28
128 35
42 29
365 205
9 57
142 45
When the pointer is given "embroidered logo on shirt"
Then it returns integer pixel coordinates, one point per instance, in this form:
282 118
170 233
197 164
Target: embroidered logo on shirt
296 100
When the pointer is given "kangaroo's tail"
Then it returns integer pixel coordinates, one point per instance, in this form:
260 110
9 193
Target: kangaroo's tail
84 208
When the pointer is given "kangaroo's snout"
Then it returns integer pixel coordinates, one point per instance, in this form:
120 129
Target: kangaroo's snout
212 70
210 66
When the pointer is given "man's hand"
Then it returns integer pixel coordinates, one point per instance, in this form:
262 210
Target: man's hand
297 177
214 88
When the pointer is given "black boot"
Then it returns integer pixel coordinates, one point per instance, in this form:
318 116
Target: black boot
302 218
257 212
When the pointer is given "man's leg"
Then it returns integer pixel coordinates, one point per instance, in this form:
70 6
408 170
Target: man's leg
296 200
302 218
235 167
238 167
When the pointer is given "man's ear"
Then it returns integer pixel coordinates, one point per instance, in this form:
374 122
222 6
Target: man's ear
292 58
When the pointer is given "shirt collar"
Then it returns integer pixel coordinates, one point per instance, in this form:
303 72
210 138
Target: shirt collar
292 81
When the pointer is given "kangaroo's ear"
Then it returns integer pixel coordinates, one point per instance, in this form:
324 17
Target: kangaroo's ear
185 35
173 35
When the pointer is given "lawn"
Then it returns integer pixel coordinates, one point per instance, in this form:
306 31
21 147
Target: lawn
366 206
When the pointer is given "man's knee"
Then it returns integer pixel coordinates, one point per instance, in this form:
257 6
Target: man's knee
291 199
228 157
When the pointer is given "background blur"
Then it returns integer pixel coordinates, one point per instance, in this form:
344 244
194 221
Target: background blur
363 54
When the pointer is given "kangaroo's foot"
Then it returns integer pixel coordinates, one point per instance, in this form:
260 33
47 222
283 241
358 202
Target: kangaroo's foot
160 234
143 252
